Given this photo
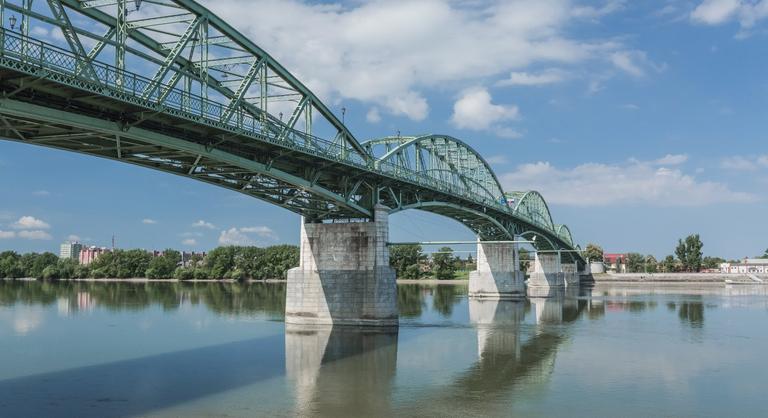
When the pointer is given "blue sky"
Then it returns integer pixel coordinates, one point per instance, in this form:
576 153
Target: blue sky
640 122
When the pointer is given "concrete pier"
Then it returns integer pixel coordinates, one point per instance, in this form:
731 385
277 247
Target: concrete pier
547 273
344 277
570 274
498 274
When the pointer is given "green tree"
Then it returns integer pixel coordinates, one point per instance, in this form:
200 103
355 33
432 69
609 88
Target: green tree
669 265
635 263
651 265
40 262
163 266
220 261
682 253
444 267
711 262
594 253
9 265
693 246
402 257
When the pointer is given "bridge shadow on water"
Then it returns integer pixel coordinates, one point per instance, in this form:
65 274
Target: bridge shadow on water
138 386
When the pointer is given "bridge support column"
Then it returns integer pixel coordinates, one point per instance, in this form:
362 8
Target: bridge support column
546 274
344 277
570 274
498 274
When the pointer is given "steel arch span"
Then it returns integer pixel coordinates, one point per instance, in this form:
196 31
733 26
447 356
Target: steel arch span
168 85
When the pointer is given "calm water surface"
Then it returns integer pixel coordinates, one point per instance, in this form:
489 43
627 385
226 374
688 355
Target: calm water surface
171 350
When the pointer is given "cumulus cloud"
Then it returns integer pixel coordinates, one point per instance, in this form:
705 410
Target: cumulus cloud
637 182
519 78
672 159
203 224
35 235
7 234
386 53
713 12
148 221
30 222
190 242
716 12
244 236
744 163
475 110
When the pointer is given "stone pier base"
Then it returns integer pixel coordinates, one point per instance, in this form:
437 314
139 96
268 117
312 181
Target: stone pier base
344 277
497 275
546 275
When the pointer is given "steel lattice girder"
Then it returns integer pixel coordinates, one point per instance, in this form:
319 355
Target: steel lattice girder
194 124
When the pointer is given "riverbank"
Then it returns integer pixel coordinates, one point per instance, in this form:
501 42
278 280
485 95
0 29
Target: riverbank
681 278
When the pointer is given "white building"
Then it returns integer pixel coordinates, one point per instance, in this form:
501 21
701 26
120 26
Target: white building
747 266
70 250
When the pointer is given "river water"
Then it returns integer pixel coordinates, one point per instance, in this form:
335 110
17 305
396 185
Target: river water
200 350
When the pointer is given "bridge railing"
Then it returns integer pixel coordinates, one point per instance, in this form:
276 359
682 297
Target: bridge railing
21 52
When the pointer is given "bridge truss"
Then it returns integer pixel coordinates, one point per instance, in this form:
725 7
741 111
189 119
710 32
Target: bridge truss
168 85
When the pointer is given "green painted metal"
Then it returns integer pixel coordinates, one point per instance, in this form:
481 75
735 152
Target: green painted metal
165 84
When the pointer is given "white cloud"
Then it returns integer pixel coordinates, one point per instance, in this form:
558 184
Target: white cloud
41 193
672 159
742 163
636 182
716 12
475 110
591 12
148 221
191 234
518 78
35 235
190 242
713 12
629 62
497 159
373 115
7 234
262 231
29 222
630 106
386 53
240 236
73 238
203 224
233 236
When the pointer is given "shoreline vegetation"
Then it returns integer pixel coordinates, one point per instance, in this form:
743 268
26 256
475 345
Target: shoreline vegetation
222 264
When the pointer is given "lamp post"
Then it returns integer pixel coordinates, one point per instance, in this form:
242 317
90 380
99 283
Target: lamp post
12 20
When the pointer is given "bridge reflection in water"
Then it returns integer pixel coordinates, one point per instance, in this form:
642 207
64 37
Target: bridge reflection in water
341 369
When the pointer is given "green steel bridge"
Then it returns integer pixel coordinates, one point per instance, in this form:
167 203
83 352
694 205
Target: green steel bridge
168 85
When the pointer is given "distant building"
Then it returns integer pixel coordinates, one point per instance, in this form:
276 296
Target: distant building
70 250
746 266
88 254
615 262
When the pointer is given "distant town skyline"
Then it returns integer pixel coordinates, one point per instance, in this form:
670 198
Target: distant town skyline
640 123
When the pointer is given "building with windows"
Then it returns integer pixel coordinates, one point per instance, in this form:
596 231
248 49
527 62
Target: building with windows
70 250
615 262
88 254
746 266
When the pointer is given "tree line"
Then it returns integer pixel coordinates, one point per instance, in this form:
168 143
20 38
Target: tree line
688 257
231 262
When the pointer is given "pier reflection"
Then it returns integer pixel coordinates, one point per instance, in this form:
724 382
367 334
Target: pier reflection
335 370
